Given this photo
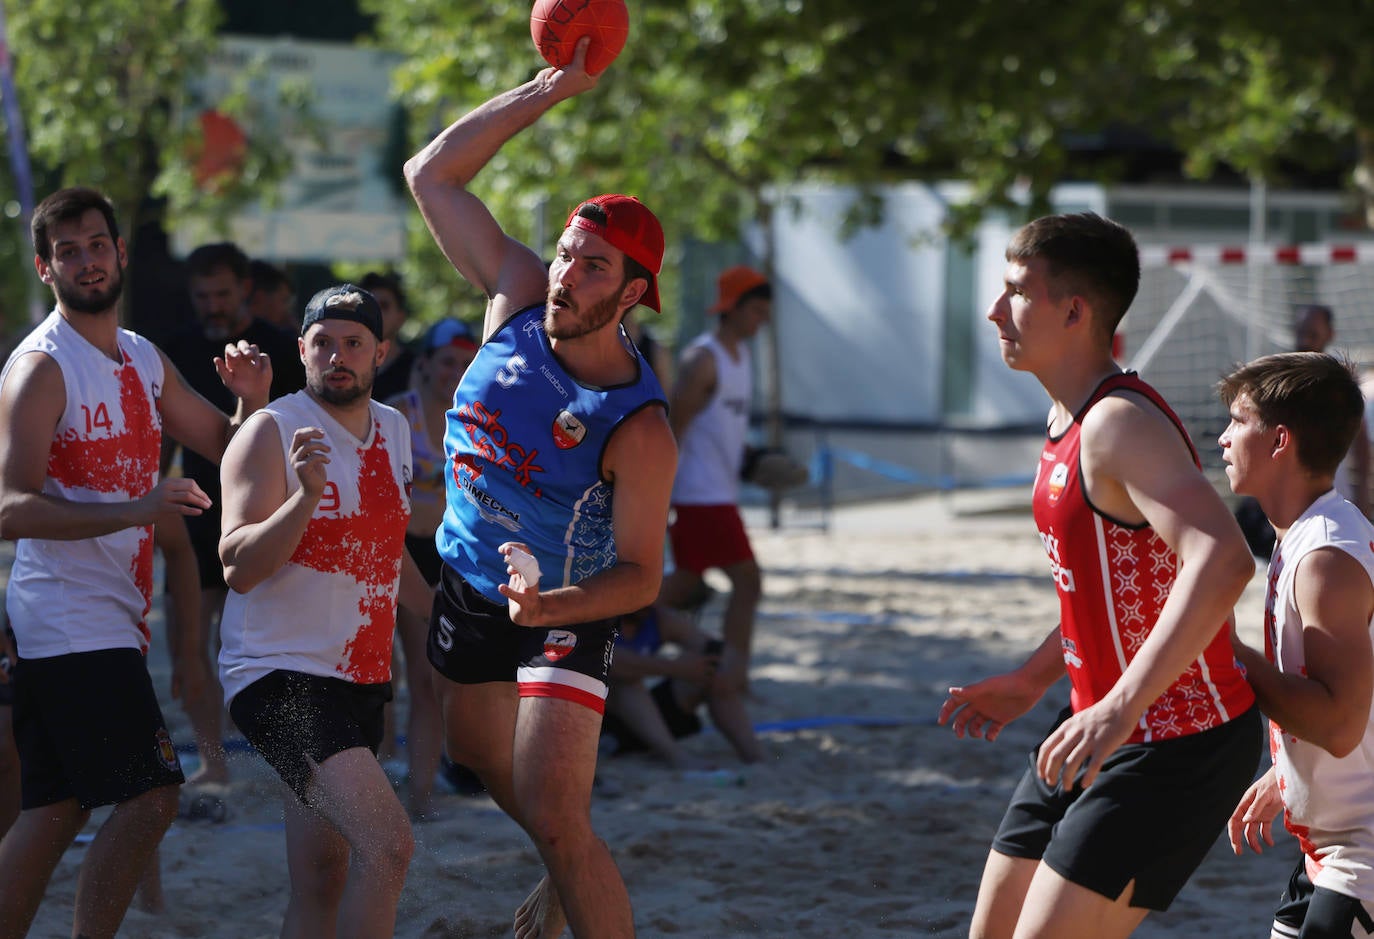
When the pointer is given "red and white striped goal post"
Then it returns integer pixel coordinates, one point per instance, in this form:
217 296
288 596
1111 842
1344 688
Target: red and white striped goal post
1304 254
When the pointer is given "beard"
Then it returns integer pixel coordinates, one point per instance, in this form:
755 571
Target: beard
71 298
597 316
341 396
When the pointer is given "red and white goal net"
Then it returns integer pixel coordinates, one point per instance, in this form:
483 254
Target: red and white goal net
1202 310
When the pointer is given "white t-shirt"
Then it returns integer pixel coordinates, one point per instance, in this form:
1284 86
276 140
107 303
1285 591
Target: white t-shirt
711 450
1329 801
331 609
92 593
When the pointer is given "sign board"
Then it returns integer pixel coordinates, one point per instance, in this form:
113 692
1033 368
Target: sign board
338 202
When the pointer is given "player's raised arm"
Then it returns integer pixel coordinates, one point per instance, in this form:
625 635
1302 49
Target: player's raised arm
510 275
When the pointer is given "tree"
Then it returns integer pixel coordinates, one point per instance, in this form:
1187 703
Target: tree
101 84
715 101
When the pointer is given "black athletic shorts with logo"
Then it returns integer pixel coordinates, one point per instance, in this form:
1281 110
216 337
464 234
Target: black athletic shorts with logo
473 641
88 726
289 716
1308 912
1151 815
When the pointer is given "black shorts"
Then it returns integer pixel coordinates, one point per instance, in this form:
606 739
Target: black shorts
426 555
289 716
87 726
1308 912
1151 815
204 530
473 641
680 723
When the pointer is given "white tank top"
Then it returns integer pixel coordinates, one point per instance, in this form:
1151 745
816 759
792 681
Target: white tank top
331 609
711 450
93 593
1329 801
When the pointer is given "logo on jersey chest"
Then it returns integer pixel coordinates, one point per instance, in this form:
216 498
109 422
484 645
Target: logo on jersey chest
1059 479
568 431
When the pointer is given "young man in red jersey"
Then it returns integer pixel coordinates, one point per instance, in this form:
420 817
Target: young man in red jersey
1128 792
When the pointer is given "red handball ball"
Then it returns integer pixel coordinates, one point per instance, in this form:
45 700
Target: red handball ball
557 25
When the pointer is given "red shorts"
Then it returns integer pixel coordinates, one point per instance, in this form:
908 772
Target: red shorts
707 536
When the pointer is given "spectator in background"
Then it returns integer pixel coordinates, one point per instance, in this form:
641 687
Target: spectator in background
394 376
642 718
219 286
272 299
709 413
1314 329
445 352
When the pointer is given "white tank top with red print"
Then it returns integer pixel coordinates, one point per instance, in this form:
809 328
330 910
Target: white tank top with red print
1328 800
331 609
92 593
1113 579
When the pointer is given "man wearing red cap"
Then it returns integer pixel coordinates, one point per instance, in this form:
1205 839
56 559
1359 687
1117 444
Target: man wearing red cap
559 462
710 417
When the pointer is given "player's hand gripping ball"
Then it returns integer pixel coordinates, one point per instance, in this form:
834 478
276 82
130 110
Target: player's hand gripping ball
557 25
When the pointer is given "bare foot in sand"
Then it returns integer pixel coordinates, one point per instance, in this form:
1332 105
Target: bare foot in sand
541 915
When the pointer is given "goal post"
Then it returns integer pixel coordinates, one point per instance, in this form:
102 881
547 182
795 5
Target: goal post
1202 310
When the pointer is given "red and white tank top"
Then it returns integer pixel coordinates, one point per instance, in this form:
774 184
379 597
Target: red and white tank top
1112 580
1328 800
331 609
93 593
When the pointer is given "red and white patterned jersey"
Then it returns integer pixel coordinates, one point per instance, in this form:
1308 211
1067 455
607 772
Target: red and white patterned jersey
93 593
1113 579
1328 800
331 609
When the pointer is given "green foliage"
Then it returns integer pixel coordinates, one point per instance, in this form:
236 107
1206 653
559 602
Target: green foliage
98 82
716 106
102 85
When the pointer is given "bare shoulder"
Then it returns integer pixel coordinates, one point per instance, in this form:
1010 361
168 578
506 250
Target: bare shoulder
33 369
643 445
35 378
1126 426
1329 572
1138 468
257 436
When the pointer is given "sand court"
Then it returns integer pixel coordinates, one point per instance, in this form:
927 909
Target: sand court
866 819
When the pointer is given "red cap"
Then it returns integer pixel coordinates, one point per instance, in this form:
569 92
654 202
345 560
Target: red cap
632 228
733 283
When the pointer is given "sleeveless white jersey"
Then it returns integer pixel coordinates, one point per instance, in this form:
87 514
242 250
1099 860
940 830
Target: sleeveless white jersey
711 450
93 593
1329 801
331 609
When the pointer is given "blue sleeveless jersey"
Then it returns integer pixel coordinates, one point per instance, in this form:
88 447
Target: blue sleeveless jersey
522 453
